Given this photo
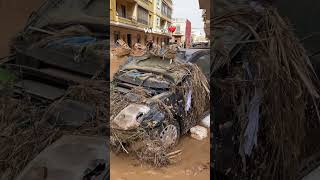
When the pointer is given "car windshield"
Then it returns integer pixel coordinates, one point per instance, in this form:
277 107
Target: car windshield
203 62
156 65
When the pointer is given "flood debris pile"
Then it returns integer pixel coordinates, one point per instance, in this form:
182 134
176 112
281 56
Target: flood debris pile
59 87
121 49
28 126
264 77
138 50
196 88
155 99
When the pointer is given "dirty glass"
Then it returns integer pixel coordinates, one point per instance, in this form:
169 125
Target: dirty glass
204 64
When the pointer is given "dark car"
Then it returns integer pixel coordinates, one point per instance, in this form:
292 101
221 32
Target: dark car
157 96
200 57
62 47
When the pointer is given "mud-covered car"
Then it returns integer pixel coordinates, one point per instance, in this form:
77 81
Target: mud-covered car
57 62
156 97
200 57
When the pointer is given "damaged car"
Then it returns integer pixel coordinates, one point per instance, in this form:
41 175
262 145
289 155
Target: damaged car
57 88
156 98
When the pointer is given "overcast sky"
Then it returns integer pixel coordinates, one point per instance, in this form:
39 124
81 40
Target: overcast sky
189 9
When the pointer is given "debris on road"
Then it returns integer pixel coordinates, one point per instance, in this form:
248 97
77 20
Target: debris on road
59 85
26 128
160 98
199 132
122 49
138 50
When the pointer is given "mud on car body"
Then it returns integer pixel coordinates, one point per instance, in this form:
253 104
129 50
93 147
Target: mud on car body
62 48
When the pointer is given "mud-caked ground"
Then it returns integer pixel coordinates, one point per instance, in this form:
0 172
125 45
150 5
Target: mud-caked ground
193 163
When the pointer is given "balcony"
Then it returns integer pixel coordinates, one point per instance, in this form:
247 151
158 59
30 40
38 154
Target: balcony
145 4
128 20
143 21
169 3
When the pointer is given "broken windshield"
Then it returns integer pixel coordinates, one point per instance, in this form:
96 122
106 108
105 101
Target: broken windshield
158 66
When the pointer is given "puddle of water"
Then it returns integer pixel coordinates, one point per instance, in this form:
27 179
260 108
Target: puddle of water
194 163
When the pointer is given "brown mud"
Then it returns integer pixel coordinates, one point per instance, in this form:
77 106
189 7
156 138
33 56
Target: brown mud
193 163
115 63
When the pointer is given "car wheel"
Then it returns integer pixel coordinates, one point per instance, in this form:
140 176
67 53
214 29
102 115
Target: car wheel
170 134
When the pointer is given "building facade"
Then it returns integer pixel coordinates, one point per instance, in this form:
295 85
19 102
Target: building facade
137 21
205 6
182 35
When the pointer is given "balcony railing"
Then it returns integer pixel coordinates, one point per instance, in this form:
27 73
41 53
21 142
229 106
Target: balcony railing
128 20
143 21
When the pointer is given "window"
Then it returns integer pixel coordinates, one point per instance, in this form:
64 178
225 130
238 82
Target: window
166 10
158 4
169 13
116 36
122 11
158 21
143 15
203 62
178 28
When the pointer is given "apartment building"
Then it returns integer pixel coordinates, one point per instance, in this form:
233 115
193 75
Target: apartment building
205 6
136 21
182 35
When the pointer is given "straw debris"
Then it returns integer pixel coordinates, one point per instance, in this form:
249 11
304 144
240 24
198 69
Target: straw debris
275 76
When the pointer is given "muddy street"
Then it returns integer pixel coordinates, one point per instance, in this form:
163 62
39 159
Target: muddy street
192 164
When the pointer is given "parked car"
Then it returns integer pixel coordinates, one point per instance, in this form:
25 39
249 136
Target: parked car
200 57
166 109
63 45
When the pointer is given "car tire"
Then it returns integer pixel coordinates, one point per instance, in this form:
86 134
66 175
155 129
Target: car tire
170 134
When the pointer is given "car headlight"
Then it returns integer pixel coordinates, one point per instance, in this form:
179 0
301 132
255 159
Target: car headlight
130 117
